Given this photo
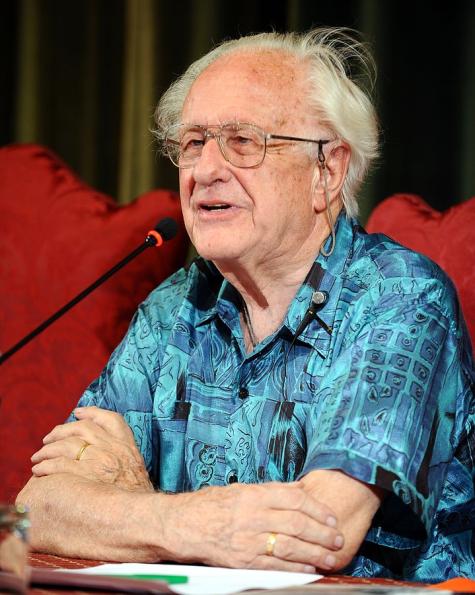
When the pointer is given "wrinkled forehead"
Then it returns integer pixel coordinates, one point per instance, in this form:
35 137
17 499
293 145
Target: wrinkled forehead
262 87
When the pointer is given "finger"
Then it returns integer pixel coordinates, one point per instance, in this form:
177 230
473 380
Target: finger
68 447
85 429
110 421
293 497
305 502
114 427
301 526
58 465
272 563
295 550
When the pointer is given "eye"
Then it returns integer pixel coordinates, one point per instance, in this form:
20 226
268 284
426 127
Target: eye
243 141
192 143
192 140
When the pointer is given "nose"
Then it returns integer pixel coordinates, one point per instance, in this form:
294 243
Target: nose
211 165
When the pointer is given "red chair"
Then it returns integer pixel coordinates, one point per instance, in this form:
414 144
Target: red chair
448 238
58 236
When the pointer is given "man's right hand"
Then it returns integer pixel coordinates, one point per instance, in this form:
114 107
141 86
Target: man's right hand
220 526
230 526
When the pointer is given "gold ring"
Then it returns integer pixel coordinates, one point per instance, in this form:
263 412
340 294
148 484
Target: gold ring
270 543
81 450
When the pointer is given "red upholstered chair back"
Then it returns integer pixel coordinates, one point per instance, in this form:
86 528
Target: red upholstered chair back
57 236
448 238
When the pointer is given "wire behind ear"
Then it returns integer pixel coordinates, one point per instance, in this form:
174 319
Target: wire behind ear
331 223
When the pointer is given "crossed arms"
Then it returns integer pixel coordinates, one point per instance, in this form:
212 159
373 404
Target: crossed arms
104 507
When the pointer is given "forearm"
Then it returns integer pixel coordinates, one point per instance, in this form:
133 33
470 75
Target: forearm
74 516
220 526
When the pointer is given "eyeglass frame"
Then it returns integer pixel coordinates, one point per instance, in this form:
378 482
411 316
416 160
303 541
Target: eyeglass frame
217 136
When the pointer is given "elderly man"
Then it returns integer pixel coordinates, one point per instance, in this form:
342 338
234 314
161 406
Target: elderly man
299 398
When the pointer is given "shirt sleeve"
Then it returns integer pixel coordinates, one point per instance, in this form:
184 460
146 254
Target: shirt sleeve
386 412
130 375
127 383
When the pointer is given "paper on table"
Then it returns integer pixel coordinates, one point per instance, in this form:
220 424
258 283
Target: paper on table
206 579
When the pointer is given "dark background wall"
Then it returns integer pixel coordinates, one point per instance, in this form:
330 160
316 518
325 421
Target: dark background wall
82 76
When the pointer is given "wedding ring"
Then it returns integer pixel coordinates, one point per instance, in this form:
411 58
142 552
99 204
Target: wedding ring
81 450
270 543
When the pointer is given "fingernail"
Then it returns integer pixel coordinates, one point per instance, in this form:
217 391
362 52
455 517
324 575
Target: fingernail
330 561
338 541
331 521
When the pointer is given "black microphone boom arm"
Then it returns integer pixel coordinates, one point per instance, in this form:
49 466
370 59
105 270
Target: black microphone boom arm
166 229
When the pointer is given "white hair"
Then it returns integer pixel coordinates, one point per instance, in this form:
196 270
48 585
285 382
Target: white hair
337 66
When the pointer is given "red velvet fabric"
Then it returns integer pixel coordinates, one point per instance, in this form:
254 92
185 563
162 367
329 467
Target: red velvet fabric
448 238
58 236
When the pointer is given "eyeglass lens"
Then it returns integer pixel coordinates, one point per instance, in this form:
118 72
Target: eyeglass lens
242 145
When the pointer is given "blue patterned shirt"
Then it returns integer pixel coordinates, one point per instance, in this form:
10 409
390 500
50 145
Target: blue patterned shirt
380 387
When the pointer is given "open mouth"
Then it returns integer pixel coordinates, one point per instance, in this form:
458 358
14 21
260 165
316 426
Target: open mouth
215 207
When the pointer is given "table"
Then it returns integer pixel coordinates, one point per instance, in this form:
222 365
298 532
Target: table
49 561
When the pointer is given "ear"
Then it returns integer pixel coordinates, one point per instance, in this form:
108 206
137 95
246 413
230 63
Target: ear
335 168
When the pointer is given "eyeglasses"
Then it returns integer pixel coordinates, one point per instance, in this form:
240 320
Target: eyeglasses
242 145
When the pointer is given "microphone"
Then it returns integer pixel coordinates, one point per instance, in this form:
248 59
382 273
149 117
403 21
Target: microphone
165 230
319 299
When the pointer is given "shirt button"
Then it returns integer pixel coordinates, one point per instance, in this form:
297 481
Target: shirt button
232 477
243 393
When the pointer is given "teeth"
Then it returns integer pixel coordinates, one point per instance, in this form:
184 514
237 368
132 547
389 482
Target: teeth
215 207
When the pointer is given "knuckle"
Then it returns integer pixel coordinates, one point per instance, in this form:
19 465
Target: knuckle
319 559
86 424
322 511
284 548
296 498
117 419
299 525
112 416
240 495
259 524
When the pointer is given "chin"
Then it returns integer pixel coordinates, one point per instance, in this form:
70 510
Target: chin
218 252
217 255
216 245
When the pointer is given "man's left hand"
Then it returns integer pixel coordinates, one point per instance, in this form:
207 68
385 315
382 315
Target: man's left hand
99 446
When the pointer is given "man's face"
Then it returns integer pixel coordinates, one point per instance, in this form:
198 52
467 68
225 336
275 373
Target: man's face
268 214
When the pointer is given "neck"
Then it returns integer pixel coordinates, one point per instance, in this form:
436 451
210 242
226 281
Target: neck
265 301
269 286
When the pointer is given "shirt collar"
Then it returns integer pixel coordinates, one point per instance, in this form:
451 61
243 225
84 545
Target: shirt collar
326 275
219 292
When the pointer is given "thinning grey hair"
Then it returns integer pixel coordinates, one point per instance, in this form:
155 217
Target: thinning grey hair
340 72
